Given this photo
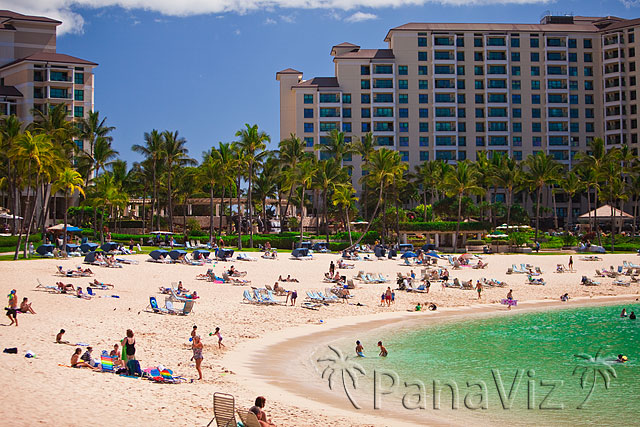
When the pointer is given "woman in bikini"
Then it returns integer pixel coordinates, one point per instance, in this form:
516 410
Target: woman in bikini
197 347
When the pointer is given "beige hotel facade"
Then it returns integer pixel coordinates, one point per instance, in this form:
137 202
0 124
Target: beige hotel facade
447 91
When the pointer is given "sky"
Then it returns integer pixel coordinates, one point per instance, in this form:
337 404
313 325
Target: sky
207 67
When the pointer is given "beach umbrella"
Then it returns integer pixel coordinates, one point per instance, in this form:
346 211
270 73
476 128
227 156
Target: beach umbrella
109 246
409 254
466 256
300 252
497 235
71 247
88 247
90 257
432 254
4 215
156 254
45 249
201 253
177 253
161 232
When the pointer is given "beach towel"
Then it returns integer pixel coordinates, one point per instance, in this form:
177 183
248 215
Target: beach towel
511 302
133 368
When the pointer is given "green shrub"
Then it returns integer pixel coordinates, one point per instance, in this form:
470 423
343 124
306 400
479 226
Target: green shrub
444 226
338 246
12 241
370 237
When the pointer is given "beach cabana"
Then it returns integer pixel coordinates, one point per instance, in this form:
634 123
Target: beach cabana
200 253
432 254
321 247
405 247
109 246
88 247
304 245
300 252
177 253
224 254
429 247
60 228
156 254
71 247
90 258
603 214
43 250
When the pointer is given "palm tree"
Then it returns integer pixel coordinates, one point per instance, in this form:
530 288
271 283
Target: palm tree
304 174
226 178
571 185
266 184
103 154
291 153
10 128
240 169
508 177
613 189
343 196
92 128
485 173
69 181
364 147
153 151
594 160
463 179
30 150
252 142
209 173
54 123
328 175
541 168
174 154
427 176
188 181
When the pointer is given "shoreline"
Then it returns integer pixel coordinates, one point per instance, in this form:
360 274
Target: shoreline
296 344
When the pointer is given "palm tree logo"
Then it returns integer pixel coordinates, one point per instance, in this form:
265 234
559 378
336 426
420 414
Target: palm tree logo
347 368
595 367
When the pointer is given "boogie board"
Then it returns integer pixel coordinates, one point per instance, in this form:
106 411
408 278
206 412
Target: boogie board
512 302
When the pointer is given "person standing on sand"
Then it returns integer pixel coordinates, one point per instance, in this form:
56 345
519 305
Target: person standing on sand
332 268
12 307
129 344
219 335
571 262
197 348
194 332
479 289
388 296
509 298
294 296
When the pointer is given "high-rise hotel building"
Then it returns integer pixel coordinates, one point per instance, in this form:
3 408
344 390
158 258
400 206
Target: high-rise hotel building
34 76
447 91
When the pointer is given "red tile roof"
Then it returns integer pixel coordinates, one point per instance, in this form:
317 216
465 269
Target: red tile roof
319 82
367 54
52 57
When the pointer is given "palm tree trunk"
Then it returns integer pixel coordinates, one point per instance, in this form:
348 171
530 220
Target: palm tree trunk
595 219
589 207
538 211
170 200
384 219
375 211
397 218
302 212
613 225
239 218
569 213
15 255
250 199
229 218
155 199
211 213
346 211
221 213
555 210
509 197
66 208
283 216
455 238
326 219
144 211
30 223
424 203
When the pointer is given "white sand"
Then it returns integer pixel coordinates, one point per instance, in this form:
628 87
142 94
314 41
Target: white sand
40 391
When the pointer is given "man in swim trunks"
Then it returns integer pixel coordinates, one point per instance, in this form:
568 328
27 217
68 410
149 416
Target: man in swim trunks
12 307
383 351
509 299
479 289
359 349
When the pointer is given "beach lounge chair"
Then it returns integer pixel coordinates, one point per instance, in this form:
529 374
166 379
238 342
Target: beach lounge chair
248 419
106 362
599 273
538 270
188 307
271 299
223 410
153 304
168 305
350 284
328 298
246 296
619 282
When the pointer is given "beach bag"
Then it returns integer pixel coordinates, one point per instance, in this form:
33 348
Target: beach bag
12 350
133 368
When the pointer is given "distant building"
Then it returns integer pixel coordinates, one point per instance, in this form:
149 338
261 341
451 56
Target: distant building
34 76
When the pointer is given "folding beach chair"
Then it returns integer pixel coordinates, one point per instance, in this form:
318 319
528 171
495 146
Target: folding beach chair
106 362
223 410
153 304
248 418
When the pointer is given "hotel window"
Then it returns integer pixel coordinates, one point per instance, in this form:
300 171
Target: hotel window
516 99
479 126
308 141
365 84
515 71
78 95
535 84
536 113
365 113
588 99
462 113
404 141
308 99
536 127
631 36
535 57
403 98
423 112
423 98
535 99
515 56
424 127
588 71
479 98
78 111
574 127
517 141
422 56
535 71
588 57
308 113
462 98
515 85
462 155
422 41
424 141
573 71
632 66
574 113
462 127
403 84
346 113
423 84
477 42
479 84
479 141
632 52
403 70
366 127
497 69
588 113
403 112
573 85
423 70
516 113
404 156
478 70
517 155
404 126
365 70
573 57
587 44
460 70
461 84
477 56
573 43
537 141
424 156
479 113
515 42
517 127
462 141
346 98
459 56
573 99
590 128
588 85
346 127
308 127
460 40
365 98
534 42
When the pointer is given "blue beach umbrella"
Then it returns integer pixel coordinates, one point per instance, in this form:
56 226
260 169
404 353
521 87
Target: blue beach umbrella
409 254
156 254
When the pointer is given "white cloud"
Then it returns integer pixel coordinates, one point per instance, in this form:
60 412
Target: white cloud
270 21
361 16
74 23
289 19
237 32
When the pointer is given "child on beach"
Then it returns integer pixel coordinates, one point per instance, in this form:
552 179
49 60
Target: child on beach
76 363
59 337
359 349
219 335
383 351
194 332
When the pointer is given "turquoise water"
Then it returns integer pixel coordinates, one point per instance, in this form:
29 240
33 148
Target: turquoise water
538 348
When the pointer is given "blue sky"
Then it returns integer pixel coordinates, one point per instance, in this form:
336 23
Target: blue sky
206 73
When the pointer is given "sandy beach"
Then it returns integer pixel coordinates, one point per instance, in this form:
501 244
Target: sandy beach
38 390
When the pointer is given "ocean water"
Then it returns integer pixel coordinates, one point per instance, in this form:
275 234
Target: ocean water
519 369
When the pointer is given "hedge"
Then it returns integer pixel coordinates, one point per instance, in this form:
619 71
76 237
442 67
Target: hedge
12 241
444 226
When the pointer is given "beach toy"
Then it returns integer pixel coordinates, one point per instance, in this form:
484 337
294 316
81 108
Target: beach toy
191 338
321 321
30 354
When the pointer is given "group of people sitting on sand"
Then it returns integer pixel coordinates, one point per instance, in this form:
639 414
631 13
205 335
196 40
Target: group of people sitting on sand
288 279
78 272
13 309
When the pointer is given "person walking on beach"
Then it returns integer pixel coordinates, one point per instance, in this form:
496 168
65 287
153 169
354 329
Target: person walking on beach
479 289
129 344
12 307
219 335
332 268
509 299
383 351
194 332
388 296
359 349
197 347
294 296
571 262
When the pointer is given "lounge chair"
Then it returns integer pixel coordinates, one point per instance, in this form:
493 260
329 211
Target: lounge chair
168 304
538 270
328 298
223 410
249 419
271 299
618 282
153 304
106 362
188 307
247 297
48 288
350 284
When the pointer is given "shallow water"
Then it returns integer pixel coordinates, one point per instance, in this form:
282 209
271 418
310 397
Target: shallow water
521 369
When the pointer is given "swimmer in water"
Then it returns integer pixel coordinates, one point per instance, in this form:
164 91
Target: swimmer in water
383 351
621 358
624 313
359 349
632 316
